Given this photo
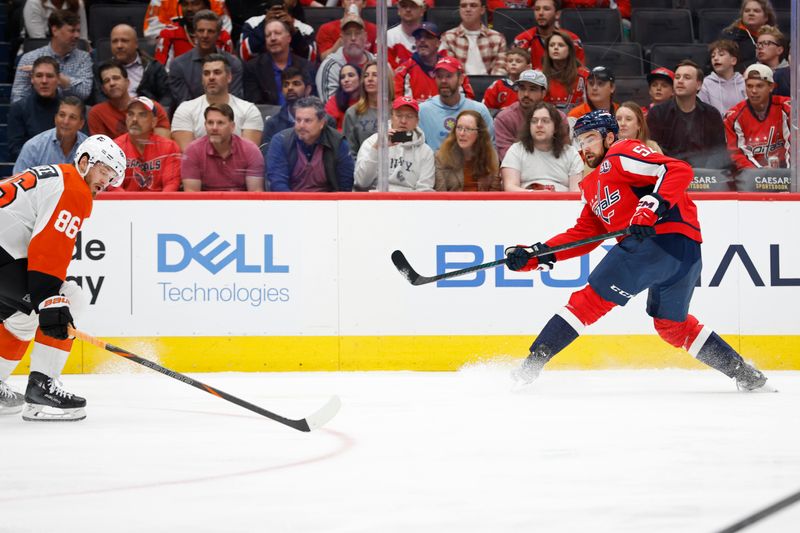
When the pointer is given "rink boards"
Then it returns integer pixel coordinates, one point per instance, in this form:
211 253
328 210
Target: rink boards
245 283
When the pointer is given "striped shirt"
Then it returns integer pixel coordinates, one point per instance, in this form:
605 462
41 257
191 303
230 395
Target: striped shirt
77 65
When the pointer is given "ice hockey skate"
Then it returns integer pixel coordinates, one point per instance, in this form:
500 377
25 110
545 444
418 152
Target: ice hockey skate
751 379
11 402
530 369
46 401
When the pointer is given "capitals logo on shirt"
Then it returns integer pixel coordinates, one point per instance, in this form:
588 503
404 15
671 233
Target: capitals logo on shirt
601 204
605 166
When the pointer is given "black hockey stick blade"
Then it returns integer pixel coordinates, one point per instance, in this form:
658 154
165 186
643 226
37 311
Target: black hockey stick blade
408 272
314 421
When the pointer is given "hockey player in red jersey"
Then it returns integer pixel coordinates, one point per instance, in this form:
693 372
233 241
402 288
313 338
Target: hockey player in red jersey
632 187
41 211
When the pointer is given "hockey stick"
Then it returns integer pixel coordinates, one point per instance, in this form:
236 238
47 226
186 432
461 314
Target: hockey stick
309 423
404 267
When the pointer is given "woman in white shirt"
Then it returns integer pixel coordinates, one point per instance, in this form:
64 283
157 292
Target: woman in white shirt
541 160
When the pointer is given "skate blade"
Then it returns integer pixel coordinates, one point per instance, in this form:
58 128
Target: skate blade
765 388
15 410
44 413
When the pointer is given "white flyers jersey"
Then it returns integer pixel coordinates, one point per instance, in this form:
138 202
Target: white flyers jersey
41 212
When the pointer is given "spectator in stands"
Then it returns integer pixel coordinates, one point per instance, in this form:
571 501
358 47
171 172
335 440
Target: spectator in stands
535 38
724 87
188 122
410 162
757 129
296 85
147 77
744 30
221 160
437 114
566 76
36 112
37 12
632 125
361 119
481 50
415 77
312 156
400 41
162 14
181 37
75 74
185 73
502 93
262 75
660 82
353 51
109 117
57 145
492 5
531 88
783 81
624 6
154 163
772 48
254 32
331 36
466 160
687 128
347 94
599 96
541 160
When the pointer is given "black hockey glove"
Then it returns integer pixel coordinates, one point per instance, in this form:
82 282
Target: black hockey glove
54 317
521 257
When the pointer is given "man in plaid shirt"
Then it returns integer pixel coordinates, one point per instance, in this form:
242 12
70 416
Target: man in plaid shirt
481 50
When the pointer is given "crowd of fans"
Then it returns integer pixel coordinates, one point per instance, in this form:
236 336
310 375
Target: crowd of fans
187 116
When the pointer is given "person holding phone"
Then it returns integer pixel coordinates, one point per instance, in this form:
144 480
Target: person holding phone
411 166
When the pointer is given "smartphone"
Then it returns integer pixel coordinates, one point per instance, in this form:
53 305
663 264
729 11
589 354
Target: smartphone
401 136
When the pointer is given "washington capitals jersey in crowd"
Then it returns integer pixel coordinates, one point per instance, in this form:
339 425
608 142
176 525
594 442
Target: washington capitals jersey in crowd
751 141
41 212
611 193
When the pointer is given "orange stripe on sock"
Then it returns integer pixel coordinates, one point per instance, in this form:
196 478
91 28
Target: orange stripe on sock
41 338
11 347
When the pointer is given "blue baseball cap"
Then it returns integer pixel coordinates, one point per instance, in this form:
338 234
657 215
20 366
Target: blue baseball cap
428 27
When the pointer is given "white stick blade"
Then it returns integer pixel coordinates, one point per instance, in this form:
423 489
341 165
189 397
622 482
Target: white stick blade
325 414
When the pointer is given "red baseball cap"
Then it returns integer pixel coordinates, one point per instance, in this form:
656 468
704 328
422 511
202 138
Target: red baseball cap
450 64
400 101
660 72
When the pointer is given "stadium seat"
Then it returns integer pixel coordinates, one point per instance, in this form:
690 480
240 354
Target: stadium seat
711 180
512 22
784 22
5 73
5 92
696 5
593 25
632 88
6 169
448 3
268 110
4 113
669 55
782 5
4 155
33 44
446 18
650 26
393 19
652 4
103 48
764 180
103 17
317 16
712 21
624 59
481 83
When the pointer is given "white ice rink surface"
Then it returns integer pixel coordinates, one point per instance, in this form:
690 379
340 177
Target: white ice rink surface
612 451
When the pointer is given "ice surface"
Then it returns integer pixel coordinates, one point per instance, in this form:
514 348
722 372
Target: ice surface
600 451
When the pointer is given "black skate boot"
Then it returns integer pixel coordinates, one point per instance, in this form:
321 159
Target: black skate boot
532 366
749 379
47 401
10 402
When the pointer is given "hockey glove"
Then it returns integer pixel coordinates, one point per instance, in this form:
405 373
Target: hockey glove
524 258
54 317
643 222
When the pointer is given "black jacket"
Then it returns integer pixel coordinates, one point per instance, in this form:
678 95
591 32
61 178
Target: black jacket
154 84
259 81
28 117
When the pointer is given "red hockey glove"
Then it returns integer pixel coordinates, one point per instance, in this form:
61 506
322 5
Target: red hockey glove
643 222
534 257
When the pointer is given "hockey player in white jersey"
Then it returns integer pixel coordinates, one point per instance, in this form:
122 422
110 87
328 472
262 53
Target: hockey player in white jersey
41 211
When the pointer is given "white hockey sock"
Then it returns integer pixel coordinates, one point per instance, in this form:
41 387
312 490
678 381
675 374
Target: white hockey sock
48 360
7 366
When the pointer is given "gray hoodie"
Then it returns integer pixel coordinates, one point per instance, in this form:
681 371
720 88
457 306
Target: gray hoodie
722 94
411 165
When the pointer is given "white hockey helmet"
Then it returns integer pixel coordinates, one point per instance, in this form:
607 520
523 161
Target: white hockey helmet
102 149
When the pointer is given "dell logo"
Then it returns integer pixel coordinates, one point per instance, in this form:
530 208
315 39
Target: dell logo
175 253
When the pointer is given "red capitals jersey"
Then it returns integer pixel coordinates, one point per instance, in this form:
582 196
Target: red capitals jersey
41 212
611 193
173 41
412 80
500 94
157 169
565 98
752 142
531 40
